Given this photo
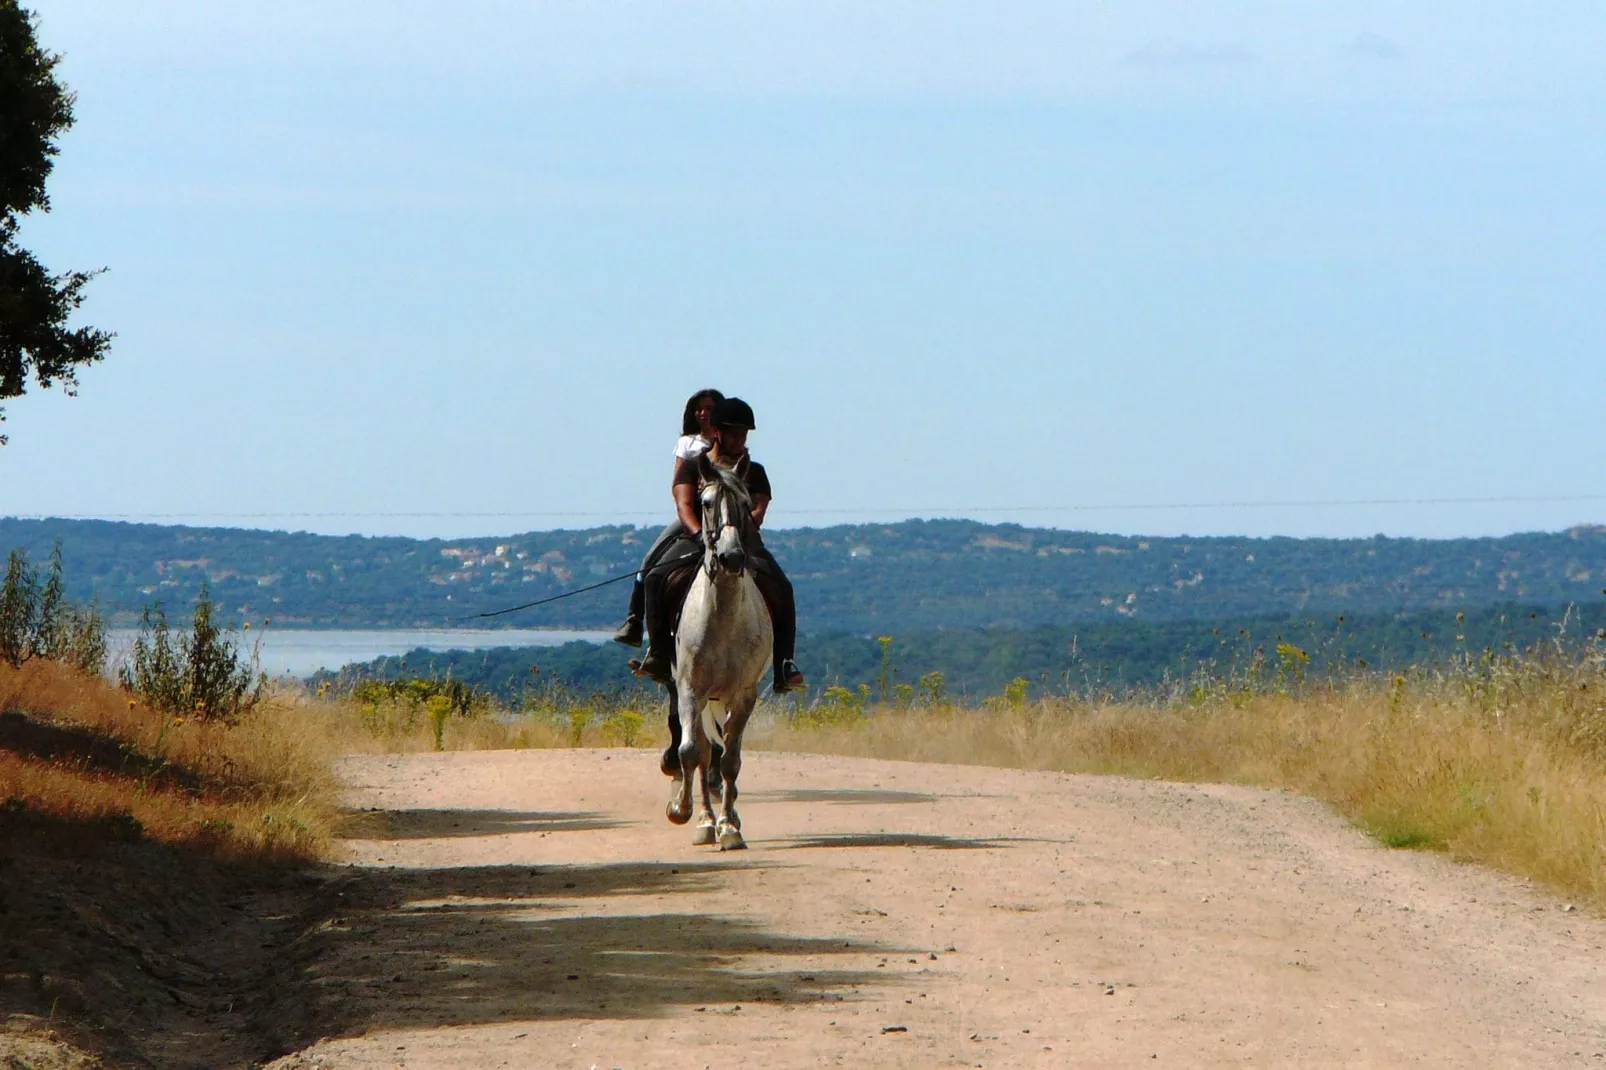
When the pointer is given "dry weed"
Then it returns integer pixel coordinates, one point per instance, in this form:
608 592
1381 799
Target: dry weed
80 749
1498 763
352 727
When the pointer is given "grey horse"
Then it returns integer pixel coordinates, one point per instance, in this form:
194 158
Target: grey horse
722 648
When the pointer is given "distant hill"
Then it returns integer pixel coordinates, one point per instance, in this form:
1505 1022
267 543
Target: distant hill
1094 657
918 575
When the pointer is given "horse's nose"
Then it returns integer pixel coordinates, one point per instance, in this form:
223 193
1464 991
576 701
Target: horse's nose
733 560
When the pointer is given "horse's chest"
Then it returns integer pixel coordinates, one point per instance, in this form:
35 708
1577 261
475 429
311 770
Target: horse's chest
724 644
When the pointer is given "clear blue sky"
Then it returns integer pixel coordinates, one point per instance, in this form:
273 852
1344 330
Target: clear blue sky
469 258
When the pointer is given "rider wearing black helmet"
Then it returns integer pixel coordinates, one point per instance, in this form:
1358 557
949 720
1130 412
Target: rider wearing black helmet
696 435
732 419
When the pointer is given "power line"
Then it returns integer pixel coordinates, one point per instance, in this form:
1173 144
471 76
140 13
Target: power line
1103 507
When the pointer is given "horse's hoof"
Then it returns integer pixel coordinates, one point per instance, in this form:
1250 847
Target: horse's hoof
675 815
730 837
704 835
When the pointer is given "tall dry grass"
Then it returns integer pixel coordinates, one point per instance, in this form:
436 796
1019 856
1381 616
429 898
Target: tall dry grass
1501 761
399 725
89 755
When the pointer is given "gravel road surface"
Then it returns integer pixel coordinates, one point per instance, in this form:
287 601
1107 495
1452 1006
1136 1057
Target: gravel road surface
534 909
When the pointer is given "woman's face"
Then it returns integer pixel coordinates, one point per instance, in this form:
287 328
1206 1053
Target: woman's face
732 441
705 413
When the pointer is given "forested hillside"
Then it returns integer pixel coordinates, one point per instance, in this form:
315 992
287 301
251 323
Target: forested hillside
1094 657
913 576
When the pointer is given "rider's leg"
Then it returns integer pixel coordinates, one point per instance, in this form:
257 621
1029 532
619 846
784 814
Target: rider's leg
777 592
656 611
629 632
659 606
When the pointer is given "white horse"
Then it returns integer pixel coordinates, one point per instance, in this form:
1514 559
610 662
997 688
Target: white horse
722 648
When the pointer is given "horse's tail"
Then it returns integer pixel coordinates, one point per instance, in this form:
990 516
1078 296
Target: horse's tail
711 726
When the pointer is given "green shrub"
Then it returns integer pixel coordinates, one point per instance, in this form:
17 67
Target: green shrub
203 674
440 708
19 603
884 678
579 719
837 706
395 706
623 727
1014 696
37 620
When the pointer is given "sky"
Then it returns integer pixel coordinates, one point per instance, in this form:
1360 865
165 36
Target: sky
1151 267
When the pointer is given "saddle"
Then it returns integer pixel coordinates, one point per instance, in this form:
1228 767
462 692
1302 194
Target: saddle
682 559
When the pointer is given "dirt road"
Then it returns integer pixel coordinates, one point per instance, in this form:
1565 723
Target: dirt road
533 909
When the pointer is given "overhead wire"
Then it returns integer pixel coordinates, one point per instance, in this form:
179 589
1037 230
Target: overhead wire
941 511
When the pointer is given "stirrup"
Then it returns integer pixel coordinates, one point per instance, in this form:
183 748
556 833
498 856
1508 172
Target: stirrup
654 665
788 677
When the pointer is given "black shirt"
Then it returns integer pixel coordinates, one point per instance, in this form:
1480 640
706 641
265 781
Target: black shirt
757 480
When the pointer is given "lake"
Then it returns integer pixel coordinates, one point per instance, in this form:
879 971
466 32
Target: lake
293 652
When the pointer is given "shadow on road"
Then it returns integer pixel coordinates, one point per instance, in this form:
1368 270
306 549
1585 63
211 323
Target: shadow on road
860 796
892 839
446 824
475 945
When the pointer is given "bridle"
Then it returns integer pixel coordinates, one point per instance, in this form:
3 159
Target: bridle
725 504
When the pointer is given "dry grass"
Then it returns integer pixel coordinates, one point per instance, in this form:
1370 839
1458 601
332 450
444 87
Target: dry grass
400 727
87 754
1502 763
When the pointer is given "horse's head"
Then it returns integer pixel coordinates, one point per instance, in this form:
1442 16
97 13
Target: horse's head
727 515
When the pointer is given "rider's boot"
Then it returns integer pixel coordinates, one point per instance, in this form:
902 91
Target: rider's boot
788 677
655 664
630 631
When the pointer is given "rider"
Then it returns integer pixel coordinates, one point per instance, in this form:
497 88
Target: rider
732 419
696 435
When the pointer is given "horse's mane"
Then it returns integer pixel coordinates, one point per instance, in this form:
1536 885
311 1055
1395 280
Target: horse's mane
730 479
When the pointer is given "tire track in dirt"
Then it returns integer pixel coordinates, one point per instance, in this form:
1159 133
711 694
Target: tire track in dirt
533 908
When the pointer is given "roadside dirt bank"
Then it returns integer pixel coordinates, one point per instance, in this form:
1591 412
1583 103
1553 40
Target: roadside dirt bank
116 951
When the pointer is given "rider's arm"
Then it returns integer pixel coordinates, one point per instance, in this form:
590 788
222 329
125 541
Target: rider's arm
681 450
686 507
687 447
758 485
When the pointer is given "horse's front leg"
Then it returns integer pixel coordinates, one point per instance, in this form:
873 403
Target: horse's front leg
729 830
694 755
706 833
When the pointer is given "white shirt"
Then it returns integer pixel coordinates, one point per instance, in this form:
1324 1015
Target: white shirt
689 447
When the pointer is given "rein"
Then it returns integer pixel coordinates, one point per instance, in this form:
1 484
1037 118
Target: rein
725 496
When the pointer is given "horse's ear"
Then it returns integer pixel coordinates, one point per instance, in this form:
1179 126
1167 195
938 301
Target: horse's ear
743 465
705 467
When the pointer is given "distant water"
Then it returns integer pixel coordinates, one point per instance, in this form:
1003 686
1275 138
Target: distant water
303 652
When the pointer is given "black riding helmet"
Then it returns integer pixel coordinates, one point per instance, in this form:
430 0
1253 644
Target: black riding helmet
733 412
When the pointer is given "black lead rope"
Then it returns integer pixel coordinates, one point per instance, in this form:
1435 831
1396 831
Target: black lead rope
578 590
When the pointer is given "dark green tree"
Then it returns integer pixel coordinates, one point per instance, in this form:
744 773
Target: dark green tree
35 108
